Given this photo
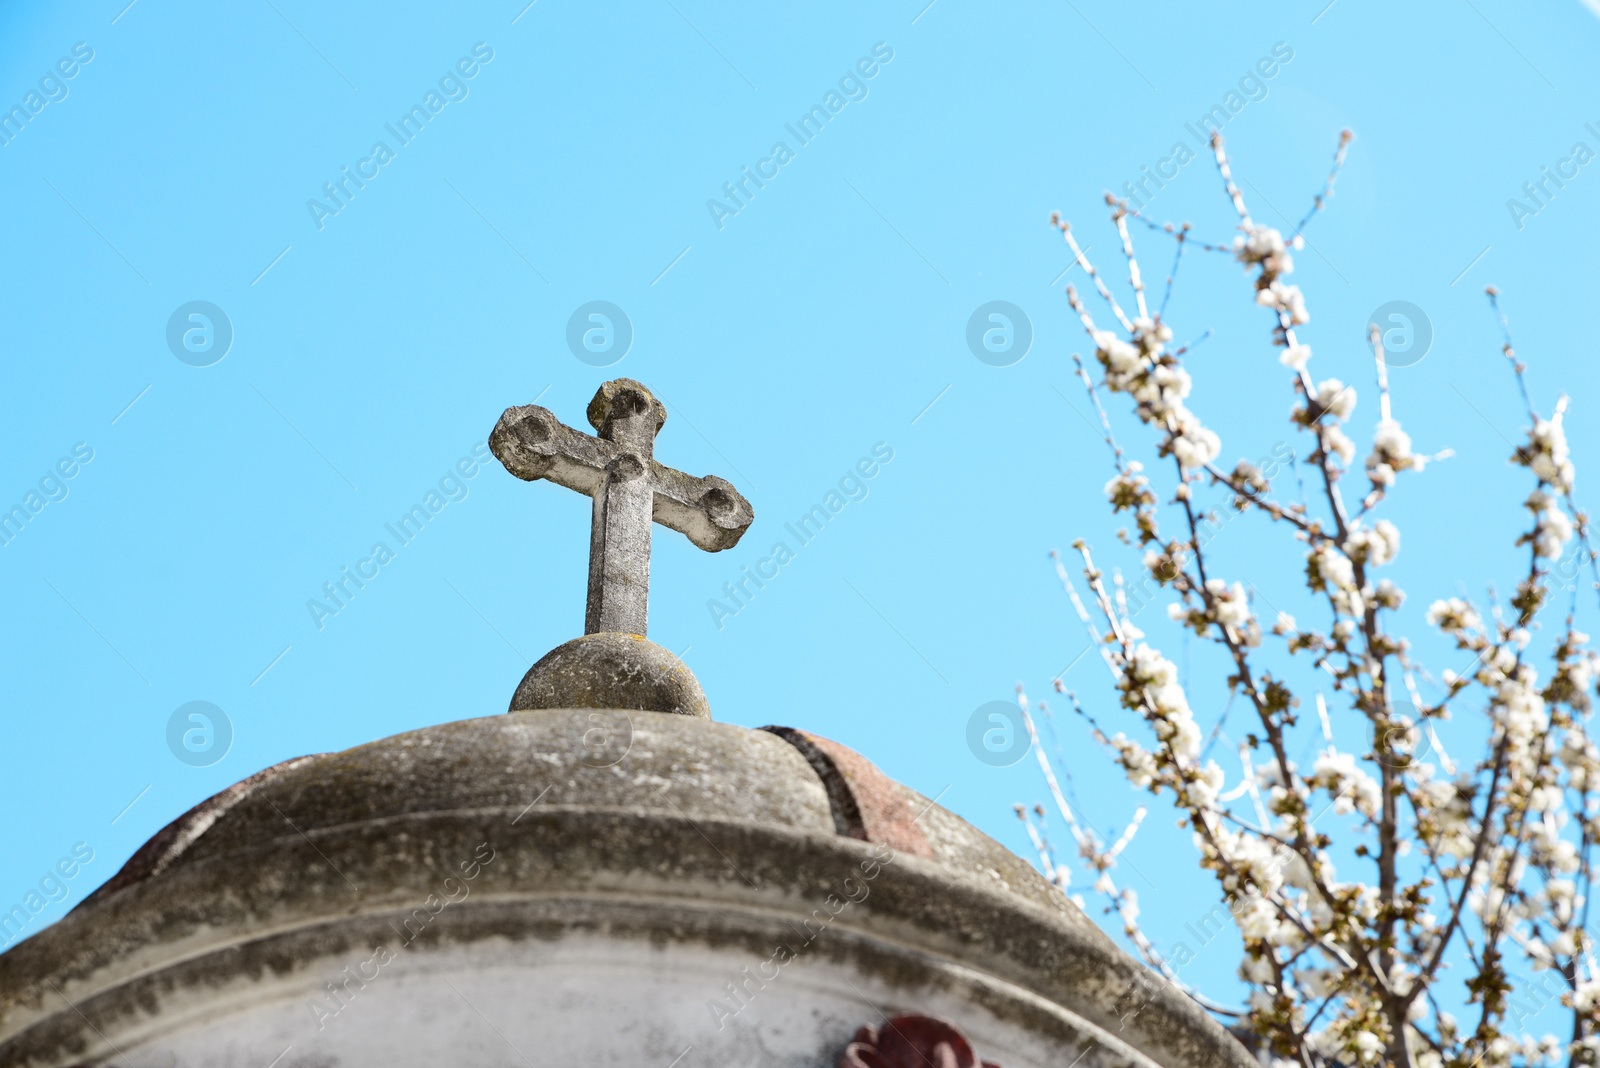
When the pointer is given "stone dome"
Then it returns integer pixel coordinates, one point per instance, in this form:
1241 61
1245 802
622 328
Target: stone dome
555 886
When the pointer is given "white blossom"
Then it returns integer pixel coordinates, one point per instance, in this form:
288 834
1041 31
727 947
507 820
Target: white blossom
1335 398
1391 454
1374 547
1454 616
1552 528
1286 299
1351 787
1338 442
1546 453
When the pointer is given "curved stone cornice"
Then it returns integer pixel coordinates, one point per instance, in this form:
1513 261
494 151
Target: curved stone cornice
687 839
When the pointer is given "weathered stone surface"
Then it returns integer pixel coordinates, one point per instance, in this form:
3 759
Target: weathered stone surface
621 671
866 803
631 490
589 881
626 412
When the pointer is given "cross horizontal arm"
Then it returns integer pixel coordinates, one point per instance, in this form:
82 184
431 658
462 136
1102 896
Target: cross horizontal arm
533 444
708 510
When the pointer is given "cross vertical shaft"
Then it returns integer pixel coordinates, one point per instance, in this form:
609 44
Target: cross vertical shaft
619 537
619 551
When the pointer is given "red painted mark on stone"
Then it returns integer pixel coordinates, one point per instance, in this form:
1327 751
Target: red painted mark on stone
911 1041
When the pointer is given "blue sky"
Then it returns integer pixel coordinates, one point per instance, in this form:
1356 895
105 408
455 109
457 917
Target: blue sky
373 348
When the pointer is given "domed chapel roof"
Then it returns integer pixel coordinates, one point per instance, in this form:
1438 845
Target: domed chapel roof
613 878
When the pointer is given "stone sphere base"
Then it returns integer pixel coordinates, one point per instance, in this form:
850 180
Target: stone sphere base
611 670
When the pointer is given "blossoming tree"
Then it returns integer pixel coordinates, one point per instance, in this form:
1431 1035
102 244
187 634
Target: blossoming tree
1470 870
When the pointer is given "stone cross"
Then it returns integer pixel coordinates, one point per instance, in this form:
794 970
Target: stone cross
630 489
